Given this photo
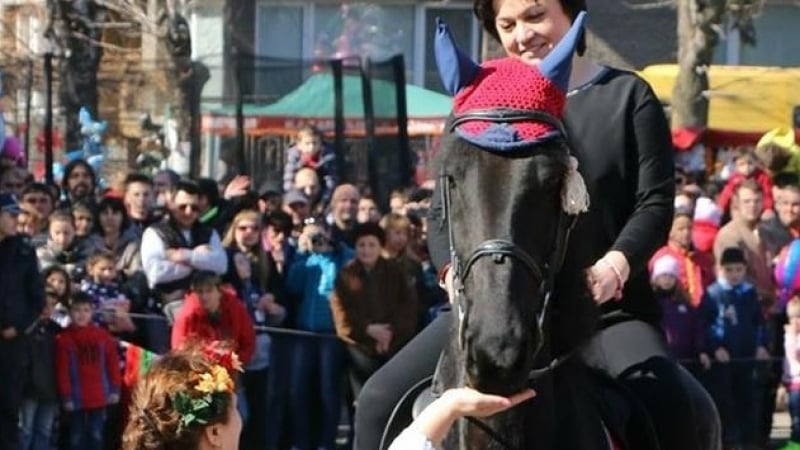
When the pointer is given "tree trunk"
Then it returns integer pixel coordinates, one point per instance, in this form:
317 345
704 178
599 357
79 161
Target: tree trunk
189 78
79 37
698 25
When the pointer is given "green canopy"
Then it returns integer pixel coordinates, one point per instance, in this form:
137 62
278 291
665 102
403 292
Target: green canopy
314 98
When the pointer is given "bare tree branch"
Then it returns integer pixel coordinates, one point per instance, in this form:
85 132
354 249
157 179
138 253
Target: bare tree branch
104 45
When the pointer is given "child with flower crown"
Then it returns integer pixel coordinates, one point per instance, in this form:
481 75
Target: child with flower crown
187 401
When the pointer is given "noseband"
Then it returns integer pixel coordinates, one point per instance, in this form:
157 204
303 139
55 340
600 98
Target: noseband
499 250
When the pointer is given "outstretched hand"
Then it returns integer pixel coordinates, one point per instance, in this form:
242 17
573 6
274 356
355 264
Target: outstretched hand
436 420
469 402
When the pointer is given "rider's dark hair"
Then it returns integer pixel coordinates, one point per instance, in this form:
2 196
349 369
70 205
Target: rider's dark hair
485 13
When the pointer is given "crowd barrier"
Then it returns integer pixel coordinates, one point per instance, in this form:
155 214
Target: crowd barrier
292 332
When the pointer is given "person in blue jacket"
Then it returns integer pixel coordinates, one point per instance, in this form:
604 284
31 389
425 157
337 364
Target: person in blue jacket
317 363
735 335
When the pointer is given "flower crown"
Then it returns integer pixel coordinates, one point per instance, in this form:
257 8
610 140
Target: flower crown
206 399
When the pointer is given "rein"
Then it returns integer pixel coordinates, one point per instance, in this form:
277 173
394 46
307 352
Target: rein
499 250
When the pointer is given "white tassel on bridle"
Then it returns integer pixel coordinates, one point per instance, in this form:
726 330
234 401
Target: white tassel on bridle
574 196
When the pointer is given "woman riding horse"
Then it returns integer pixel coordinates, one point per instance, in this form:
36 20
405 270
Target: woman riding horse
619 134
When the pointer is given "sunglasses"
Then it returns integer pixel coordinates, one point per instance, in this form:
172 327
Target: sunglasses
247 228
191 207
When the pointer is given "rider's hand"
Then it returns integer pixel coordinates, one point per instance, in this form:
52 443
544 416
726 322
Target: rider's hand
722 355
607 277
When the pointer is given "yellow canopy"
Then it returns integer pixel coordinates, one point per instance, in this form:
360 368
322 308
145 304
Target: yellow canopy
741 99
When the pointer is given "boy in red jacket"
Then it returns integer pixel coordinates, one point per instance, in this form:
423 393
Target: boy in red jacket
746 168
212 312
88 375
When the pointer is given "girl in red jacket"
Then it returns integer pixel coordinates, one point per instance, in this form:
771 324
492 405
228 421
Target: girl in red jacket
212 312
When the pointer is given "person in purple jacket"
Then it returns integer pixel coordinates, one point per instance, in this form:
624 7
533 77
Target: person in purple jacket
682 323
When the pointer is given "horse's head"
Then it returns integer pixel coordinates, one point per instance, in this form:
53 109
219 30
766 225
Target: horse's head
512 191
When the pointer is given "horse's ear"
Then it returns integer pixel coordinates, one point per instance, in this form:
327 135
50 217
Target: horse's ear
456 69
557 65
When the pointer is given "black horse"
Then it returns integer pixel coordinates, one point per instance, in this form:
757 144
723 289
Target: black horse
522 306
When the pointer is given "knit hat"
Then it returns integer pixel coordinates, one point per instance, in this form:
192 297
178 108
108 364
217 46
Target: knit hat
665 265
705 210
12 149
507 84
9 204
787 267
506 105
732 255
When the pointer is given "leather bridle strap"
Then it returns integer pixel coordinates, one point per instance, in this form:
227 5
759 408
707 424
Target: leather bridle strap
499 249
508 116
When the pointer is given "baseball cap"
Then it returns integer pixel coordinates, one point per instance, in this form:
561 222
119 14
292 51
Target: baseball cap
9 204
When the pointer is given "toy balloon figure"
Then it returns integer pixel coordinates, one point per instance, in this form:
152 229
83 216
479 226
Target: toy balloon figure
93 150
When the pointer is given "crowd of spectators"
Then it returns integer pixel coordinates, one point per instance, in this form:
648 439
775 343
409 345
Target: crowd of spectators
159 262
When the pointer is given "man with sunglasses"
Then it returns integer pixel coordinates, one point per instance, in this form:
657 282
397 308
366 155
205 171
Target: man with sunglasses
173 249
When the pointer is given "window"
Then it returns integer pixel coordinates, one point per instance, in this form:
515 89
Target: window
308 30
377 31
279 34
279 31
208 23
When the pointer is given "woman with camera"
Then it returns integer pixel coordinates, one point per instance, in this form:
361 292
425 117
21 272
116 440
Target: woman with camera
317 364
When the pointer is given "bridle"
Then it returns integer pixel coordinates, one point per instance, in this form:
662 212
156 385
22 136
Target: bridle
499 250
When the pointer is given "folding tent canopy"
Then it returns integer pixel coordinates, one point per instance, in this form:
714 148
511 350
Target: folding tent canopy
313 103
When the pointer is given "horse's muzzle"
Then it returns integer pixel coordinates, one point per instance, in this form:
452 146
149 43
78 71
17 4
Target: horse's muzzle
499 364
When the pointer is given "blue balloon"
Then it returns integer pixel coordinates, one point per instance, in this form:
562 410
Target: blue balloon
73 155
